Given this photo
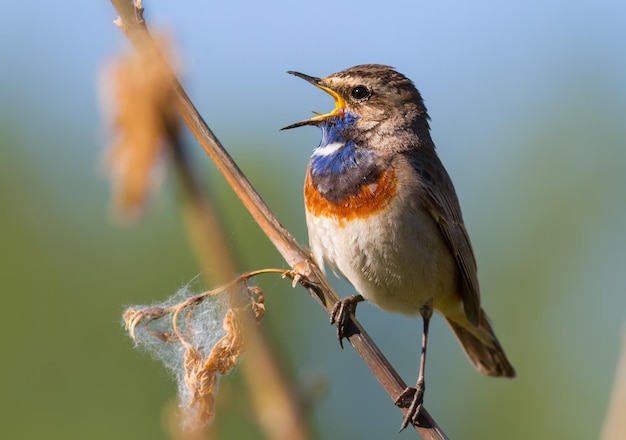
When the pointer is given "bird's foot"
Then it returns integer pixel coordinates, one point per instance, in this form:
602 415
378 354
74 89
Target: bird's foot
341 312
413 399
300 273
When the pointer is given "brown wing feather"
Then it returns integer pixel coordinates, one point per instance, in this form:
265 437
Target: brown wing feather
440 198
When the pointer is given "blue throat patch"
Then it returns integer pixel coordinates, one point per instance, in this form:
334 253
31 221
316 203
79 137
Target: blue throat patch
344 157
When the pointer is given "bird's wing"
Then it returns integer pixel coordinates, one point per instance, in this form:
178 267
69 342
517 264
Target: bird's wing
440 199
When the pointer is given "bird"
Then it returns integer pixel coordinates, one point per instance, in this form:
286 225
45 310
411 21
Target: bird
382 211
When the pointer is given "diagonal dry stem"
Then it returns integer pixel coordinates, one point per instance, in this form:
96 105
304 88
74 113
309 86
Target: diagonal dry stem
132 23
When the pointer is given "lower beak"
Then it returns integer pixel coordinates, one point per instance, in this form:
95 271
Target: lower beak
340 104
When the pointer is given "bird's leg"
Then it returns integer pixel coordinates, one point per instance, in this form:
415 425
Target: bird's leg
341 312
413 398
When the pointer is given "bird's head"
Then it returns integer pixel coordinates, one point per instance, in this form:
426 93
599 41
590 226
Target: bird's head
369 96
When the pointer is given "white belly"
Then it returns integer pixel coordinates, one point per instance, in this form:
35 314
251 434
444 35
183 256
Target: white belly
396 259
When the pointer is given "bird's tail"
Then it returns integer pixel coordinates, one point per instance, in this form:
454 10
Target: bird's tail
482 347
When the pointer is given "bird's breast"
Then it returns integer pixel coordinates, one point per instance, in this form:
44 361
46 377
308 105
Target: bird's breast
345 203
383 240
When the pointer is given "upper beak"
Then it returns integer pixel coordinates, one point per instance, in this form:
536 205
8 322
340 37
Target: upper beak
340 103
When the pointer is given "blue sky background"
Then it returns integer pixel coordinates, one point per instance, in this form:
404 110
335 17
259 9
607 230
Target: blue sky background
527 101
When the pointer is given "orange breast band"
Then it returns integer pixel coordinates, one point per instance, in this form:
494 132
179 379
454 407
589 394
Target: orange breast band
368 200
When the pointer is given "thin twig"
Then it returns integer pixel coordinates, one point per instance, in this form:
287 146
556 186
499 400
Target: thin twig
132 23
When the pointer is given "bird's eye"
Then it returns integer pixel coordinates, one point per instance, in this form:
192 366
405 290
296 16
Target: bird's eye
360 93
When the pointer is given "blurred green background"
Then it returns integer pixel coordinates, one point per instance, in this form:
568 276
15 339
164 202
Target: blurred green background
527 101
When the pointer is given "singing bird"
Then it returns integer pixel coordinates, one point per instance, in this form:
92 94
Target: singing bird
382 211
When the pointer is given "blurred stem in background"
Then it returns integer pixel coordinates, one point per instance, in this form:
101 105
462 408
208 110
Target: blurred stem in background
615 422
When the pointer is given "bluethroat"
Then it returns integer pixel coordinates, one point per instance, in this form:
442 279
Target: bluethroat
382 211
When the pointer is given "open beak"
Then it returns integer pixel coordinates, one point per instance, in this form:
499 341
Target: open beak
340 104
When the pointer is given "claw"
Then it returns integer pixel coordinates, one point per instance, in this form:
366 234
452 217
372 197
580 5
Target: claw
340 315
413 398
405 398
300 273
